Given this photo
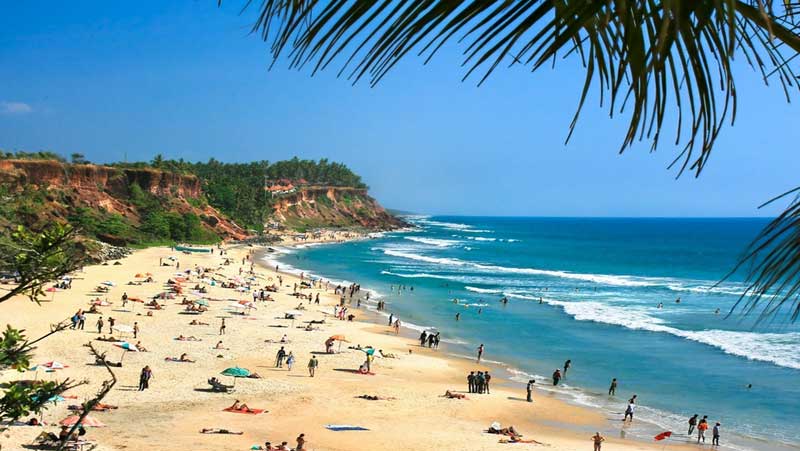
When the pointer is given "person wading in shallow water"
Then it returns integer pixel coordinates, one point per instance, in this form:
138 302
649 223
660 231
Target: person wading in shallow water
480 352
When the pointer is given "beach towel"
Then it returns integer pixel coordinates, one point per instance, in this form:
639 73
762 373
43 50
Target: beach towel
250 412
344 427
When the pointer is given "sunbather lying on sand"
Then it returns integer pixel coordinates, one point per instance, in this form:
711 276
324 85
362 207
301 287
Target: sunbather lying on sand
387 355
240 407
516 439
183 358
509 431
451 395
99 407
194 322
376 398
104 338
189 338
219 431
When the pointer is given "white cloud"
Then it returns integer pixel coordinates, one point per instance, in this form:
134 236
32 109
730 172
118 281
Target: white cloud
15 108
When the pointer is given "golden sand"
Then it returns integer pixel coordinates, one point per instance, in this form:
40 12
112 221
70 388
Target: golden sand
170 414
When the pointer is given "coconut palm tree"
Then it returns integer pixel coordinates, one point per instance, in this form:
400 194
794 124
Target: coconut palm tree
649 60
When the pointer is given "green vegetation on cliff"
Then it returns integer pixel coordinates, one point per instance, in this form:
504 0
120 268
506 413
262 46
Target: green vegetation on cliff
167 201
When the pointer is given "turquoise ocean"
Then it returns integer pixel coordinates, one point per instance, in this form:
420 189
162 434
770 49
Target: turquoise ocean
588 290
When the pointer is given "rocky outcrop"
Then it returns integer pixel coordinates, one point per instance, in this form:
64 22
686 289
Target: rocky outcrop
328 206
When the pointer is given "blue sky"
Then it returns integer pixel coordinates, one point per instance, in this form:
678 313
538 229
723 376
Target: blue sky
119 80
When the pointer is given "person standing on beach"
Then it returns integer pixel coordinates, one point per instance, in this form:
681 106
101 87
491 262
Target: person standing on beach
598 441
715 435
391 319
144 378
312 365
612 389
480 352
290 361
471 381
701 429
529 389
135 329
479 382
100 325
692 423
81 319
222 327
423 338
397 327
301 442
486 378
111 325
279 357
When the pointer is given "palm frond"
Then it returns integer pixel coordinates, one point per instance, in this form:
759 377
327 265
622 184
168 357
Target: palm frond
647 57
648 60
773 261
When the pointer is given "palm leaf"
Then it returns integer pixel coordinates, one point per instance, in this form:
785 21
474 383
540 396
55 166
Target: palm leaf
648 61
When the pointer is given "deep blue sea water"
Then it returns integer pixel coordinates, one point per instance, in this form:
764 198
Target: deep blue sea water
588 290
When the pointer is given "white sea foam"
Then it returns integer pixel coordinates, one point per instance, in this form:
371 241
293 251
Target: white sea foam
480 238
779 349
433 241
619 280
483 290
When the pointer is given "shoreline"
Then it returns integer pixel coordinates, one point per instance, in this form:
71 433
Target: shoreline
177 405
568 394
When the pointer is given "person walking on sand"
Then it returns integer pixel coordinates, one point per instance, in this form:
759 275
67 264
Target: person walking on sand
598 440
144 378
715 435
111 325
135 329
397 327
312 365
612 389
100 325
692 423
480 352
290 361
301 443
222 327
279 358
529 389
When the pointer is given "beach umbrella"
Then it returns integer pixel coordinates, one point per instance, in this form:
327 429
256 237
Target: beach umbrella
108 283
340 339
202 302
54 365
127 346
236 372
123 328
369 351
87 421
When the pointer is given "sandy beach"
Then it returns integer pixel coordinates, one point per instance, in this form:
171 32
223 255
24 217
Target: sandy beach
169 415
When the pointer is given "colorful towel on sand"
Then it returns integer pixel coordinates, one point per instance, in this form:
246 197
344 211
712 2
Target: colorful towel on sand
250 412
344 427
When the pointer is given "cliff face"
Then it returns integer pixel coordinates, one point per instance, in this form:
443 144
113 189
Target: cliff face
108 189
332 206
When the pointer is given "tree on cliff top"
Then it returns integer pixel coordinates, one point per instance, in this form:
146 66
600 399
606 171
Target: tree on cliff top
660 59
